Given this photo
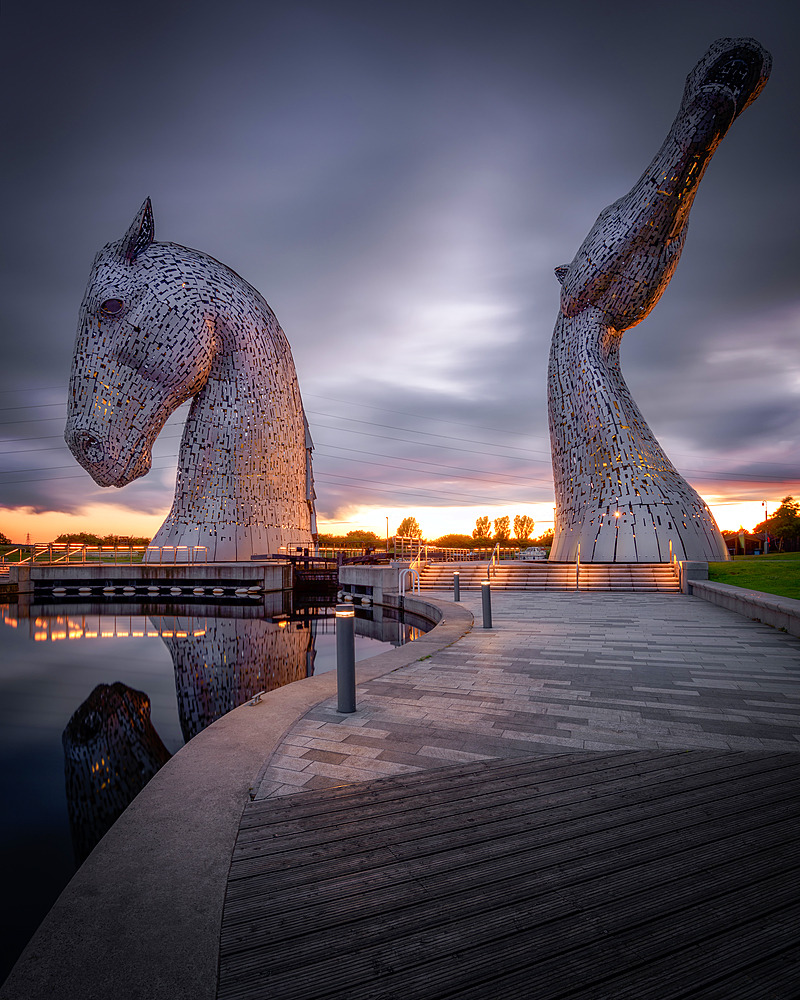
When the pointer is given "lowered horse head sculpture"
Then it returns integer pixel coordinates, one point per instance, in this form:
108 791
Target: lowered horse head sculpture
161 324
618 496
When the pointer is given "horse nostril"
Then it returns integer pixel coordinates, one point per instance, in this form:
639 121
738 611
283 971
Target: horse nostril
89 446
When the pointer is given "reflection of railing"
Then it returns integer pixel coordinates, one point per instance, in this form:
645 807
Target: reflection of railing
173 554
59 627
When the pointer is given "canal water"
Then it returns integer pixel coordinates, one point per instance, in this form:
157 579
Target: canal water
95 698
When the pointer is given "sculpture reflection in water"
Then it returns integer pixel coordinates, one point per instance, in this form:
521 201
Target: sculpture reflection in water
111 748
234 661
111 751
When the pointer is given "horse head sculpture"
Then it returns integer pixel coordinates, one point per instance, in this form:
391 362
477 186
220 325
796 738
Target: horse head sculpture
618 496
161 324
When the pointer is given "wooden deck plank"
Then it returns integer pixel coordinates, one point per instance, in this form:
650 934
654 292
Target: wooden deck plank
555 866
554 892
273 837
329 801
549 844
469 788
644 879
421 835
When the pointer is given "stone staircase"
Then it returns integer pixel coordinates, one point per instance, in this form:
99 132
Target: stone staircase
518 575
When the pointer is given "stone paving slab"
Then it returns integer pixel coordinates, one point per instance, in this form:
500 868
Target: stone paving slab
560 672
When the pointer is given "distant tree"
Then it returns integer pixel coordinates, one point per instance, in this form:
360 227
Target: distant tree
483 528
502 529
362 538
523 526
784 525
4 539
81 538
87 538
454 541
409 528
545 539
125 540
332 540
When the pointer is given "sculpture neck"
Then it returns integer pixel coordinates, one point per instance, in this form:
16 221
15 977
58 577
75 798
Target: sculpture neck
588 397
241 486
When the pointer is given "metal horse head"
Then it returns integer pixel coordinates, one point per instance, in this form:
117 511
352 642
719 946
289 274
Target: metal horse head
160 324
618 496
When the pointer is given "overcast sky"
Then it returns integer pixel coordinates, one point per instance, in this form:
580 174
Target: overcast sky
399 181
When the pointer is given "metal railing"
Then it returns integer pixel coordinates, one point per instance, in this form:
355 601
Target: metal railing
412 570
75 553
405 547
174 554
492 559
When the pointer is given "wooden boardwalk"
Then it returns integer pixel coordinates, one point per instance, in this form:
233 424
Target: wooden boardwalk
635 874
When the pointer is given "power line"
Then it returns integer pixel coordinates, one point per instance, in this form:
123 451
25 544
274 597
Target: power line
419 491
410 430
47 479
47 388
422 461
418 416
425 472
30 406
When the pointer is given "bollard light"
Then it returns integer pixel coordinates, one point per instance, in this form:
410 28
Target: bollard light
486 601
346 658
456 587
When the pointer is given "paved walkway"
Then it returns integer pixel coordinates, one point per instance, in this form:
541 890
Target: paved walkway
559 672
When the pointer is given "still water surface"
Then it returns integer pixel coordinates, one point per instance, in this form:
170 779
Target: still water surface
93 703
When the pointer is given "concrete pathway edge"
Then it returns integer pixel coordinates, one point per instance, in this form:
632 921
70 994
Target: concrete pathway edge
141 918
780 612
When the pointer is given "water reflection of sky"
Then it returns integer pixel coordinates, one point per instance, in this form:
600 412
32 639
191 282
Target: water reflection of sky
49 666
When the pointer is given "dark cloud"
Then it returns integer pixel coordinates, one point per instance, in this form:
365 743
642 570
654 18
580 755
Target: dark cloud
399 181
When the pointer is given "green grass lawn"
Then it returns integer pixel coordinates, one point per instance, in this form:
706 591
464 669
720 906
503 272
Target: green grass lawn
775 574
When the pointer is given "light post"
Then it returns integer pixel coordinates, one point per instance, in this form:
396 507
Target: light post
486 603
345 658
766 535
456 586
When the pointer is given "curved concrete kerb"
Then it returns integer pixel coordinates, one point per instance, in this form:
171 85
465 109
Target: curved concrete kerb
141 918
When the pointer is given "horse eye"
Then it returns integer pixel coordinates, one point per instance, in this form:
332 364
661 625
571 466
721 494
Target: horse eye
111 306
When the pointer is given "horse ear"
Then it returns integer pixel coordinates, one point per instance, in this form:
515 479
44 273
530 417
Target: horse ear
561 272
141 234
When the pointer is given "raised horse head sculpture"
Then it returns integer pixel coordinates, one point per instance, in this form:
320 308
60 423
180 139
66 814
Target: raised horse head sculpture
618 496
161 324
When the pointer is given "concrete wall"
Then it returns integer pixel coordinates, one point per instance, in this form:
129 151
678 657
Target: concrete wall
780 612
378 580
269 576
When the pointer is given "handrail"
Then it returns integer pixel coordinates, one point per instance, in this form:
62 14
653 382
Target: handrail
4 557
413 569
70 553
401 583
192 553
492 558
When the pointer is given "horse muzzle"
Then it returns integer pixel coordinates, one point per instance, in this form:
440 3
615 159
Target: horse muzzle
103 461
